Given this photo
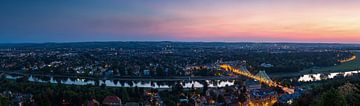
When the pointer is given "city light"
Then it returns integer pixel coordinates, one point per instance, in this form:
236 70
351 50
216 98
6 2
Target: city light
261 79
348 59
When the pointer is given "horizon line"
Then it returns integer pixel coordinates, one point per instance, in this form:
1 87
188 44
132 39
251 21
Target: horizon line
179 41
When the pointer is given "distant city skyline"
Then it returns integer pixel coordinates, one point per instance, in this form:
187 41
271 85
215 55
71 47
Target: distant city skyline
305 21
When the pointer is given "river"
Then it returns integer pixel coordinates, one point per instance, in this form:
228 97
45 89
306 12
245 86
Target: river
126 83
324 76
167 84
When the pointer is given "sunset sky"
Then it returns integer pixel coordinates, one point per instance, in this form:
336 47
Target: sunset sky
180 20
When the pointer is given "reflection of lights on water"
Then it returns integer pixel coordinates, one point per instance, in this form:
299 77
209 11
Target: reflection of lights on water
197 84
80 80
289 101
318 77
12 77
348 59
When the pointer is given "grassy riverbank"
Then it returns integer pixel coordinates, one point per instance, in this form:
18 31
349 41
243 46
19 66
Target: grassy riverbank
347 66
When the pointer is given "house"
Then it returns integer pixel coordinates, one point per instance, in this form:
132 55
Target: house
146 72
112 101
253 85
108 73
93 102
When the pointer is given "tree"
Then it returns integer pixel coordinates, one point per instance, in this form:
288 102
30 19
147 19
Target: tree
178 88
159 72
4 101
242 97
331 98
221 99
351 93
206 85
124 94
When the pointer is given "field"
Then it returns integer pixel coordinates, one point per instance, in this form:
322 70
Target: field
347 66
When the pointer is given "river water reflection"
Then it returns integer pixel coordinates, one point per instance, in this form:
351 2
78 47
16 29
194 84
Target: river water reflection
323 76
167 84
121 83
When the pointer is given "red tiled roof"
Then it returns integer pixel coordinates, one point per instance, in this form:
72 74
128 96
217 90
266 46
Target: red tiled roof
112 100
93 103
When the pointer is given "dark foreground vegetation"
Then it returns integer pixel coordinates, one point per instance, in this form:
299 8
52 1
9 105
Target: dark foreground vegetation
339 91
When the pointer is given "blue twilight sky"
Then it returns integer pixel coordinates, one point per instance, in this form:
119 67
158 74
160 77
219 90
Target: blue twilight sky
179 20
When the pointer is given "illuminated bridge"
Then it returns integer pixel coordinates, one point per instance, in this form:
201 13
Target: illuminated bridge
261 76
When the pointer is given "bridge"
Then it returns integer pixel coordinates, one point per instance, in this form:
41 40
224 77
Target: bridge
261 76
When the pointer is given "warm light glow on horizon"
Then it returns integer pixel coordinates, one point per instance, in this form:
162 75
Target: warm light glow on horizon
210 20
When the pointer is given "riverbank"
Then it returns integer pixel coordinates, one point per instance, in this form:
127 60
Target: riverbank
346 66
